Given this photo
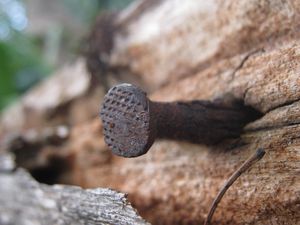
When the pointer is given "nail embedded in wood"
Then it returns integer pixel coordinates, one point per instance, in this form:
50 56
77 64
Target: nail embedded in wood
132 122
245 166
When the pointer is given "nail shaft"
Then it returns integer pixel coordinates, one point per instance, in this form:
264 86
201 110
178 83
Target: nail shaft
198 121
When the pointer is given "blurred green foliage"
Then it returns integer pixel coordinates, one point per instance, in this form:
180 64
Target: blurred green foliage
20 67
22 60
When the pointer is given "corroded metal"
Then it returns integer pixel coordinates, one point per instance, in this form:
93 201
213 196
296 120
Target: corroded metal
132 122
126 120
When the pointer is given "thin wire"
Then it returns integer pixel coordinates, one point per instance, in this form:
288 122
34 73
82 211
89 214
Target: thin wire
246 165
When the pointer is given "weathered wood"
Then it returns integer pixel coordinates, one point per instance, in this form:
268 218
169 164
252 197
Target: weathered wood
60 99
175 39
205 50
24 201
191 50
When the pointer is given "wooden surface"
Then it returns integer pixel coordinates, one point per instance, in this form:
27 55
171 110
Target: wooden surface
205 50
190 50
25 201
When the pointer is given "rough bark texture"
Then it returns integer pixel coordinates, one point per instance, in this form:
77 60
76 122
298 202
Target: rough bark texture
24 201
191 50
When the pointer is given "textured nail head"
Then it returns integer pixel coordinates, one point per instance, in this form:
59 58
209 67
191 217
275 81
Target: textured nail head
126 121
131 122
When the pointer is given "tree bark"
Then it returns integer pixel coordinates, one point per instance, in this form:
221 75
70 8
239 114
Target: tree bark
24 201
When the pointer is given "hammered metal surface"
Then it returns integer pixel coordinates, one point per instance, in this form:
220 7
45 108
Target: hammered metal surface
125 117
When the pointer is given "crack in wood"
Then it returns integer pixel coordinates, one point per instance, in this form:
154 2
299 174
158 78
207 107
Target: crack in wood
287 103
243 61
251 130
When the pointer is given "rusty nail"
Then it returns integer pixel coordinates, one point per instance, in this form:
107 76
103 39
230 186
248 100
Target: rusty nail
131 122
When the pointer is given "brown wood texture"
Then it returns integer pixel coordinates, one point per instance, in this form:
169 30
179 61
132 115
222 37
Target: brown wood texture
193 50
189 50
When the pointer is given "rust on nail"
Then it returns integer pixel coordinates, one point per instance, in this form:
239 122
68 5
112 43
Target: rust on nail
132 122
